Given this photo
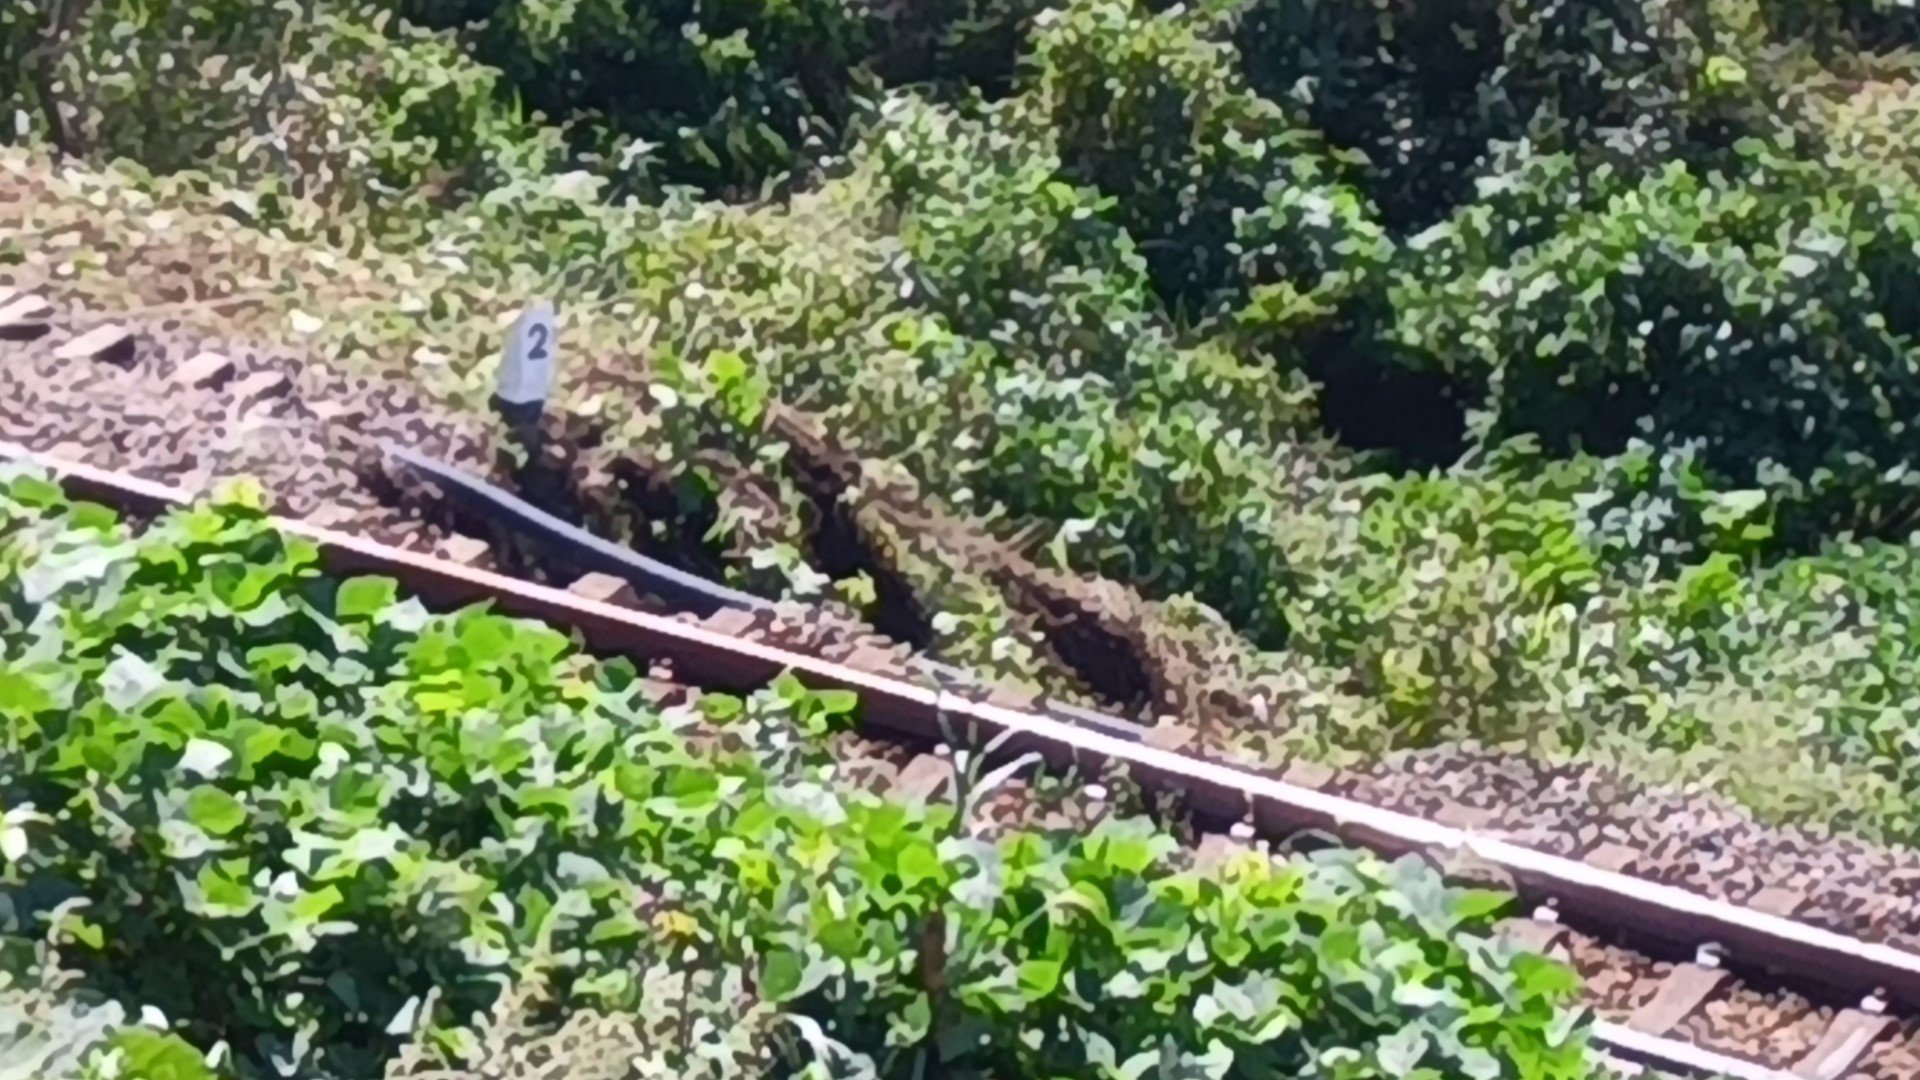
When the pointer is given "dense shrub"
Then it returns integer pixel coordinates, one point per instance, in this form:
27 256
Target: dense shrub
1223 190
728 96
1764 317
335 102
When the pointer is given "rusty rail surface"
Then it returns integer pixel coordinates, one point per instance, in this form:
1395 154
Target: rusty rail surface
1751 939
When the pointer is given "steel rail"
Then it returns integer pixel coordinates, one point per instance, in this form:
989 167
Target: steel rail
570 545
1627 1045
1276 809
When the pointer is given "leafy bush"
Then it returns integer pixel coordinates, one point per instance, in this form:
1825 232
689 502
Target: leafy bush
335 102
1222 189
727 97
1761 317
731 92
50 1035
304 820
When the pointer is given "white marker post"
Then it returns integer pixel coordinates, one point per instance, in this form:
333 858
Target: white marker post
526 365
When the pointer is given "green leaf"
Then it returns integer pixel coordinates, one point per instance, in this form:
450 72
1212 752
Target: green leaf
1086 896
226 888
83 930
781 974
21 694
909 1025
485 638
1471 905
214 811
1724 71
36 491
620 926
158 1055
1039 978
313 906
89 515
836 702
364 597
1136 1067
1543 977
919 862
720 708
788 688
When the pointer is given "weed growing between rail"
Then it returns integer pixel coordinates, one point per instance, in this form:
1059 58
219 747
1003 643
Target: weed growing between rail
302 823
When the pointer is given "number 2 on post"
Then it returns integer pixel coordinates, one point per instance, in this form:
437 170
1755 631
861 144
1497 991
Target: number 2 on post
526 365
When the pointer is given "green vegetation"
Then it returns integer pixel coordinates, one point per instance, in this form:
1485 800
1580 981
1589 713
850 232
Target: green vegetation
1495 371
1504 371
316 827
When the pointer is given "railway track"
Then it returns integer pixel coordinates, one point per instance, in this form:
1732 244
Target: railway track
1681 982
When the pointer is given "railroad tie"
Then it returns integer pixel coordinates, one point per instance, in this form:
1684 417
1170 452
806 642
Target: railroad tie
1009 695
112 343
1169 736
1680 993
1461 816
606 589
1470 869
729 621
204 371
1541 933
1846 1041
1308 774
1612 857
1778 900
68 451
926 778
259 387
23 316
465 550
867 658
332 516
